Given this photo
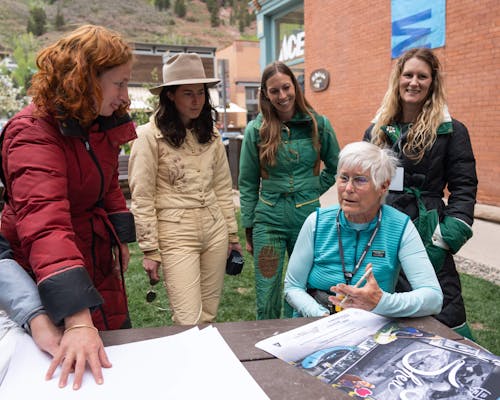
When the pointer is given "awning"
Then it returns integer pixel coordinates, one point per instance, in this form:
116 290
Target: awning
139 98
233 108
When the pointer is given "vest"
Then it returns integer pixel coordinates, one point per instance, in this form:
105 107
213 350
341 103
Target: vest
383 253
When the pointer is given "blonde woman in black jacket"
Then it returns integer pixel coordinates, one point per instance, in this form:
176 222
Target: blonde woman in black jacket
435 153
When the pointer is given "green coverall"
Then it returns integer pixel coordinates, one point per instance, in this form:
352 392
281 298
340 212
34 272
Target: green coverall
275 200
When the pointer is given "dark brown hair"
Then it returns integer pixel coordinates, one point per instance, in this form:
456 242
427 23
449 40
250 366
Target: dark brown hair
169 122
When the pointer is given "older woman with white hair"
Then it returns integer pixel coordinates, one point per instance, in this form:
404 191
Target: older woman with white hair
361 238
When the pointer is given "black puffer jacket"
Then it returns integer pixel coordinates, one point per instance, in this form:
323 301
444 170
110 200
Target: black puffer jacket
449 163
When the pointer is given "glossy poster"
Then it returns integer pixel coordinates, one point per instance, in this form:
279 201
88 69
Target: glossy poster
407 364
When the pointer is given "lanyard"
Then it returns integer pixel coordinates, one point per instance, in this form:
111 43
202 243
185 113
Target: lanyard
403 129
348 275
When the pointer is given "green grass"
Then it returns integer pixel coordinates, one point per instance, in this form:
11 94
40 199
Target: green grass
483 312
238 301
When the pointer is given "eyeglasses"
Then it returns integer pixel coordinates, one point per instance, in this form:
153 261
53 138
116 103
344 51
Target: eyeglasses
151 294
359 182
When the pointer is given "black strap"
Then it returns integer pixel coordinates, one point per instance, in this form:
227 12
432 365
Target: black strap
349 274
2 175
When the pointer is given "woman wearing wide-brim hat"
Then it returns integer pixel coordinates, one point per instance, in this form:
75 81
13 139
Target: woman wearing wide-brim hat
182 193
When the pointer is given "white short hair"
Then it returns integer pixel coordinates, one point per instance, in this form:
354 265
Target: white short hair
380 162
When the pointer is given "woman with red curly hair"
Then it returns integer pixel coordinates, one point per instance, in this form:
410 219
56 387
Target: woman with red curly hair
65 215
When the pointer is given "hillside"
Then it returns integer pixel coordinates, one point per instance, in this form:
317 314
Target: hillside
137 20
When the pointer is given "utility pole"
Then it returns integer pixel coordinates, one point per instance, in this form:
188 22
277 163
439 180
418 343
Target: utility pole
223 71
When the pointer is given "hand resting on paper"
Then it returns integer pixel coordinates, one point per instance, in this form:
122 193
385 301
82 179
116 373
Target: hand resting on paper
80 344
365 298
45 334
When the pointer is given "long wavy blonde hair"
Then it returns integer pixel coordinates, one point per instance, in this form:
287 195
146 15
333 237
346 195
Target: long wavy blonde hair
270 130
422 134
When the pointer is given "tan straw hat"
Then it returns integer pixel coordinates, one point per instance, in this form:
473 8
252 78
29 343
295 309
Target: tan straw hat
183 69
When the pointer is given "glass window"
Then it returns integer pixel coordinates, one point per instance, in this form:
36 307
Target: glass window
290 36
252 101
251 93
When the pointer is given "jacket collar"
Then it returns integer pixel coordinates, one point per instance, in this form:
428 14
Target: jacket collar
298 118
393 131
70 127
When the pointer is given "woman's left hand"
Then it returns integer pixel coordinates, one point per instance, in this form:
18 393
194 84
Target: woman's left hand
365 298
80 346
125 258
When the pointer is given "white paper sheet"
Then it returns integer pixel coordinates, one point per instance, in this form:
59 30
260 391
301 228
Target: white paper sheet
191 365
346 328
9 333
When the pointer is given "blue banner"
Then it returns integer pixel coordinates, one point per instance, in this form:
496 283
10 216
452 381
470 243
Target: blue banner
417 23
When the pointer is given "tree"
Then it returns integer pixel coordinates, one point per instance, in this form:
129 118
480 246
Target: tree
180 8
11 98
213 9
37 21
243 17
214 18
25 48
162 4
59 19
210 5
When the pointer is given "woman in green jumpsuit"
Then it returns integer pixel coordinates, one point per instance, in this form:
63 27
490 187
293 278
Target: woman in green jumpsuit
280 179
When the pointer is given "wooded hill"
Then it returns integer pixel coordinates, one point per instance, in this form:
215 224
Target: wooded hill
215 23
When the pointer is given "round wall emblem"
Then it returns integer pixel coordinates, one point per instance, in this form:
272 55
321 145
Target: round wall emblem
320 80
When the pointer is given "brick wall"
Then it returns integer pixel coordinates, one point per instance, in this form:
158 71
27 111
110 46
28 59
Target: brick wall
352 41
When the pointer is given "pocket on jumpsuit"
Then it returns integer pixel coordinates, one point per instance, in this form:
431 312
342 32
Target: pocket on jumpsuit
308 199
265 209
169 226
171 214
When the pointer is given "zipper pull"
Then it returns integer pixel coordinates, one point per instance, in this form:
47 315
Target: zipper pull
287 129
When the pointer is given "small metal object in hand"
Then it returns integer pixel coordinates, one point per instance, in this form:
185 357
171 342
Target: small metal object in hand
151 294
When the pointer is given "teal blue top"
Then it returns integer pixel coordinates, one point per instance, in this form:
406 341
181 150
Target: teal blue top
383 253
397 245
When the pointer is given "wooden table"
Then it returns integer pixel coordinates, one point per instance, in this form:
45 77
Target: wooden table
278 379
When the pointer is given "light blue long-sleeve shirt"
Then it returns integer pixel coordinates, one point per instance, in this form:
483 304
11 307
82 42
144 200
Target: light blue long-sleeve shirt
426 298
18 293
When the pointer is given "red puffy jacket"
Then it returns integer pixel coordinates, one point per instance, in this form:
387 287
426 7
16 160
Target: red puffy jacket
64 211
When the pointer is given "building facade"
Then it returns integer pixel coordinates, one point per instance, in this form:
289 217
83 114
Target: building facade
348 46
242 80
148 64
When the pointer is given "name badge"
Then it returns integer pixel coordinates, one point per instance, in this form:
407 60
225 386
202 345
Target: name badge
397 181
